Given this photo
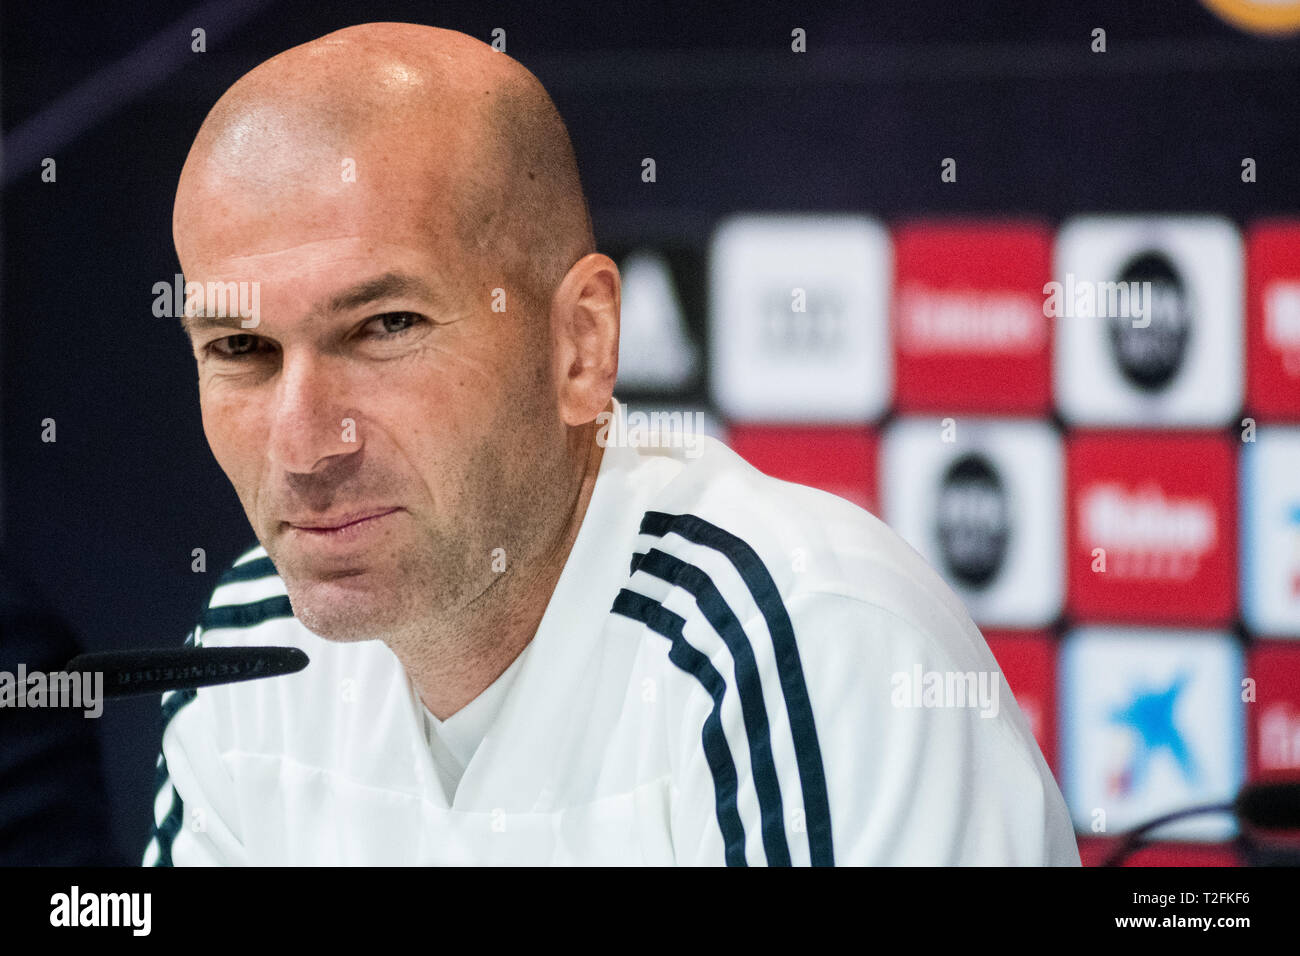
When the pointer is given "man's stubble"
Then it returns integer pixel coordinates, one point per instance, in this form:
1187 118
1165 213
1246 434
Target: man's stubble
465 561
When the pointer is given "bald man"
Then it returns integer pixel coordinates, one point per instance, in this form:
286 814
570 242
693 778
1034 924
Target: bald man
534 638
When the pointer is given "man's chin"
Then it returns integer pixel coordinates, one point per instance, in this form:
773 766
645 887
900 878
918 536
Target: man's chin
347 608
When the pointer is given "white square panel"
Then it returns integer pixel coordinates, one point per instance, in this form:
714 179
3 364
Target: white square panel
1179 364
1270 532
1151 722
798 318
985 510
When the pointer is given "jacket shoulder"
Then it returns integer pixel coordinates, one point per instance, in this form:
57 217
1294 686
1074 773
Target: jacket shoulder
798 541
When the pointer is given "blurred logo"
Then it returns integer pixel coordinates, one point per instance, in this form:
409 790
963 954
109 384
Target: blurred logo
1149 354
654 350
1279 738
1282 323
1275 713
818 330
1151 722
1148 715
973 522
933 320
1146 533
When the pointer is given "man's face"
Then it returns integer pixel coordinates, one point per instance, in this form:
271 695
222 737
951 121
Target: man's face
381 424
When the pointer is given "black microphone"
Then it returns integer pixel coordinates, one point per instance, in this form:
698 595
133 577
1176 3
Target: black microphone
1270 805
1263 805
157 670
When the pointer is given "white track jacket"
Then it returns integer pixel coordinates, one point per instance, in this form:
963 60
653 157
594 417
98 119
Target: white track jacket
726 674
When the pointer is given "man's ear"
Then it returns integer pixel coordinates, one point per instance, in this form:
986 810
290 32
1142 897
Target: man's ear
584 325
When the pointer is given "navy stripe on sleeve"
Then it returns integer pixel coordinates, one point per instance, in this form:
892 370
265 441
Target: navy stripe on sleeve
249 571
165 833
748 685
808 757
246 615
717 754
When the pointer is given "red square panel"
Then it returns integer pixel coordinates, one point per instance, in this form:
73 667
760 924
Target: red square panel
1273 718
839 460
1028 661
969 330
1273 320
1151 527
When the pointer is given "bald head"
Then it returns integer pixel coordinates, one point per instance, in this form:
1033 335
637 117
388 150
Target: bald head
413 127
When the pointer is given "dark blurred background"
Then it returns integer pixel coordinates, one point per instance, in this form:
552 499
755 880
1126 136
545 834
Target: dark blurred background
101 524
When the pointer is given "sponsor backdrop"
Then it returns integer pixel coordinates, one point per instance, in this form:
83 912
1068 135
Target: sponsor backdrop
1091 431
841 261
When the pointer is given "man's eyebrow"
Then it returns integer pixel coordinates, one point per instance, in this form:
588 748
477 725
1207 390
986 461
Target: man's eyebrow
390 284
381 287
206 320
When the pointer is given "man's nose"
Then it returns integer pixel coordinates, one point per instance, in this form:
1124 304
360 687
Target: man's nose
311 423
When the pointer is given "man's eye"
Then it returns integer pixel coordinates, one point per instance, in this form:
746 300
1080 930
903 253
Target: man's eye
233 346
395 323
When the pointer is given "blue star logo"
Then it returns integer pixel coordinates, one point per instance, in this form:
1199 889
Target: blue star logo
1150 716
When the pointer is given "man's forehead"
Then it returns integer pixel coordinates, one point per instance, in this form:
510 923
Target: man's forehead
261 185
224 226
331 263
318 143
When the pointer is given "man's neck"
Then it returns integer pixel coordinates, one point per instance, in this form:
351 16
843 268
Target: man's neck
495 628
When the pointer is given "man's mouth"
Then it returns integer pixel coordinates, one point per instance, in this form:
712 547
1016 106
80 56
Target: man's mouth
342 524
